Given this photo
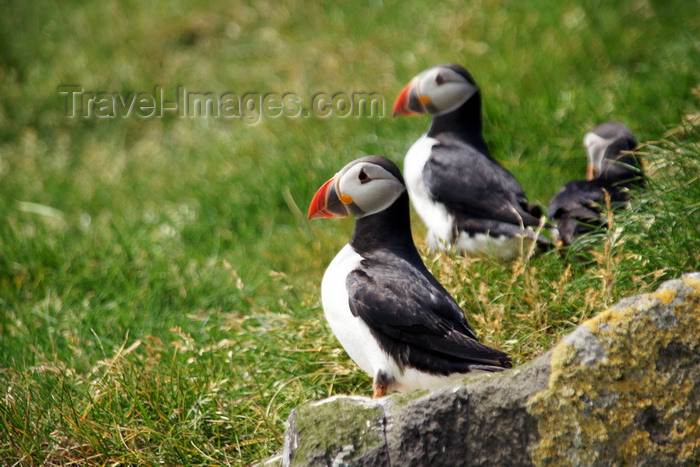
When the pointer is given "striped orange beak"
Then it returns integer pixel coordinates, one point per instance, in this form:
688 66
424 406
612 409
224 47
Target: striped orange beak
409 103
326 202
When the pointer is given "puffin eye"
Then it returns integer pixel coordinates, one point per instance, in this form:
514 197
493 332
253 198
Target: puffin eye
363 177
439 79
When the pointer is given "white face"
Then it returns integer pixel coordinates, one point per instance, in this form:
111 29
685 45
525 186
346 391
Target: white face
595 148
366 188
442 90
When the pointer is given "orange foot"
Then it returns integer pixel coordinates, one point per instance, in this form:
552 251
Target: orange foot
379 391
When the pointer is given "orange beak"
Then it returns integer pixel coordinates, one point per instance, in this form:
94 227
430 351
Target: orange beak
326 203
591 172
408 103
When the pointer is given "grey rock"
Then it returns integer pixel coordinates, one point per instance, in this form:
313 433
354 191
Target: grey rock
590 350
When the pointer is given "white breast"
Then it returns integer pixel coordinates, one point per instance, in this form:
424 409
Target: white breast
434 215
354 335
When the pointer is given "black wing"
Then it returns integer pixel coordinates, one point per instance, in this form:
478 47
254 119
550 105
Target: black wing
578 198
416 321
578 205
583 198
471 183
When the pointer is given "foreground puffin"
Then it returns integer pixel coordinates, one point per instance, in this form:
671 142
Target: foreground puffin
390 314
467 200
576 208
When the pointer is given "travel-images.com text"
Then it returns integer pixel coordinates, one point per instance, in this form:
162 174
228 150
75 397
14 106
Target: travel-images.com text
249 107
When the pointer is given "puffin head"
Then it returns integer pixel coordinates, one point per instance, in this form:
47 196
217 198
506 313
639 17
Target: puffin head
604 145
363 187
437 91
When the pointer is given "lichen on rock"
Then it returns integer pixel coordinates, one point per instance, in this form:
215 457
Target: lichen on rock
626 402
357 424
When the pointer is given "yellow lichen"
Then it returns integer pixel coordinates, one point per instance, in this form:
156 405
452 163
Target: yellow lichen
665 296
621 408
693 281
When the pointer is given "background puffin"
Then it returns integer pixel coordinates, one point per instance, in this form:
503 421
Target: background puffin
387 310
576 208
467 200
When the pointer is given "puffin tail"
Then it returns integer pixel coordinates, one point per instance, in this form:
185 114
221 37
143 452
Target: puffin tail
489 368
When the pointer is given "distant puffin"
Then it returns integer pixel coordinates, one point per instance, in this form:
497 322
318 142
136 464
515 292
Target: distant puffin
468 201
387 310
576 208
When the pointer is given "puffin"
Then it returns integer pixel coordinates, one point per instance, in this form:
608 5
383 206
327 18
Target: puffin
613 168
390 314
467 200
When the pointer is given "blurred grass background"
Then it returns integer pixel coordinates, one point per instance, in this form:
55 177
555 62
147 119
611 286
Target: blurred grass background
158 279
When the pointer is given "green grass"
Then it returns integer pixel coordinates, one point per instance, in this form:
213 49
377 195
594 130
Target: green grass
159 283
